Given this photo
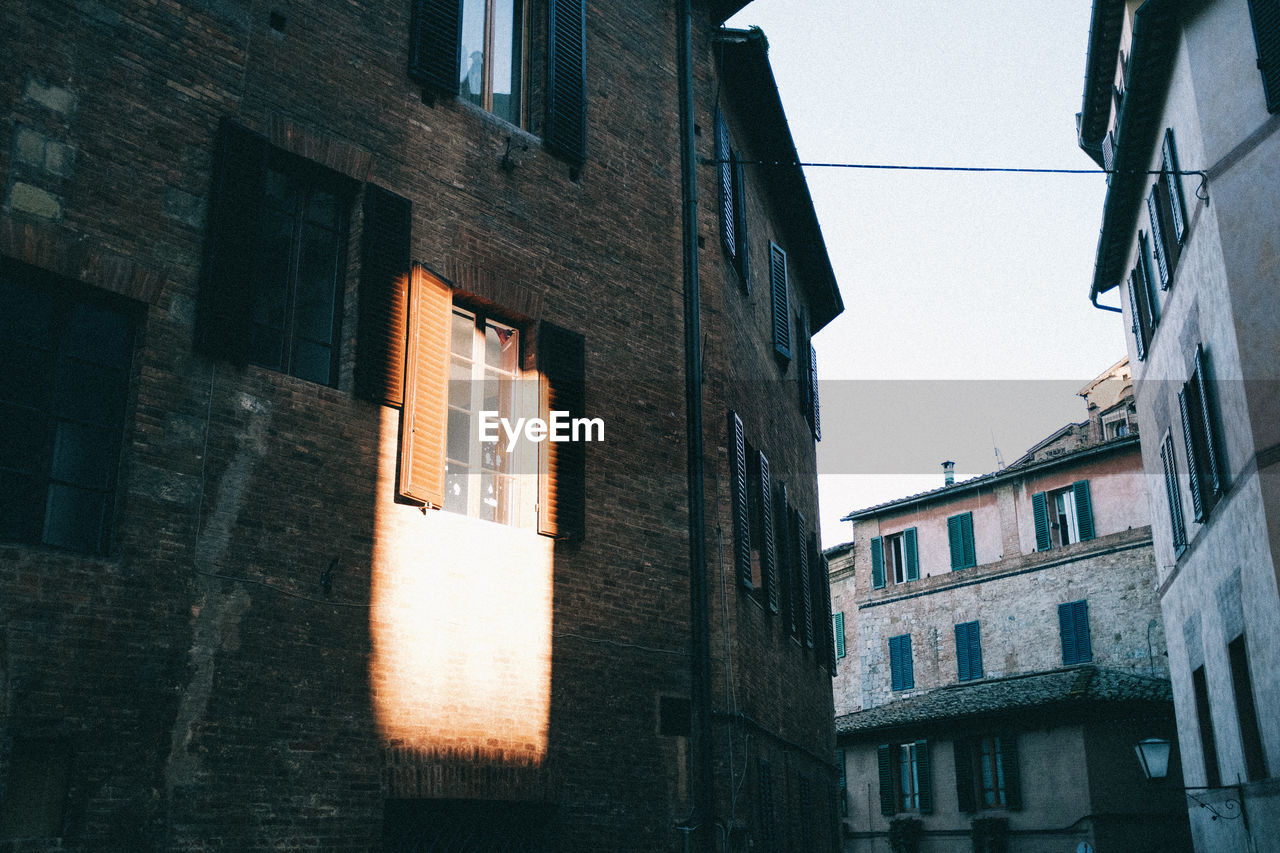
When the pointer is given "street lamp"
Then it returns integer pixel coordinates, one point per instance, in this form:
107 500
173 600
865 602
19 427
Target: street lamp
1153 756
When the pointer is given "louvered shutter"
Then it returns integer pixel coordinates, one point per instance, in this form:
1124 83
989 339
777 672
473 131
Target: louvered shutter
1067 631
1173 495
740 221
1012 772
426 386
1173 182
813 386
1157 238
435 43
1084 509
1266 36
962 651
806 582
822 586
728 213
1197 503
566 125
975 650
768 558
739 498
955 542
224 324
966 796
877 563
782 533
1084 646
884 765
1040 512
1210 434
1135 314
912 554
838 630
924 772
895 663
1146 277
1108 153
384 297
562 465
781 304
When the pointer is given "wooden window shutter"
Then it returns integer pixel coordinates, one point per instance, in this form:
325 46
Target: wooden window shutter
924 771
1173 494
384 296
1012 772
806 582
781 303
1146 276
565 133
435 43
877 563
884 765
838 629
970 552
816 419
1084 509
1040 512
1197 501
965 793
739 500
562 465
1206 413
224 326
768 557
1135 316
1266 36
962 651
782 535
1157 237
728 210
1177 202
912 554
740 221
424 417
955 542
1073 622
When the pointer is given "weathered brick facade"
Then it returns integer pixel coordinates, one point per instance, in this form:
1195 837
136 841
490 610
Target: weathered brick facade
275 651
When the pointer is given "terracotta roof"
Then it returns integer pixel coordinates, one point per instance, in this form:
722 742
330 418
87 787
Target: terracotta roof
1071 687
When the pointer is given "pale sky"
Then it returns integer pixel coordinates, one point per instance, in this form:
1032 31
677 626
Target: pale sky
971 287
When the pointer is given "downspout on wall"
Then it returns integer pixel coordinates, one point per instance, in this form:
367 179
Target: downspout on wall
703 788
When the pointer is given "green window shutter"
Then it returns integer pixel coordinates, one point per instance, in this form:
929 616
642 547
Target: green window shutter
1266 36
837 628
1206 413
740 222
1197 502
769 556
384 297
565 132
965 793
912 554
562 465
782 532
840 762
806 585
224 322
975 650
884 764
1073 623
1012 772
1135 318
901 668
968 651
877 563
1040 512
1157 238
813 389
1177 203
1173 494
728 212
924 772
781 302
739 499
435 43
960 540
1084 509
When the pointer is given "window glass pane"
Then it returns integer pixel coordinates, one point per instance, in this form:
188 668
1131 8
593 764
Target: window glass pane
317 277
21 439
313 362
83 455
455 487
89 392
27 376
100 335
323 208
501 347
462 342
459 384
471 86
21 510
25 314
73 518
459 436
507 58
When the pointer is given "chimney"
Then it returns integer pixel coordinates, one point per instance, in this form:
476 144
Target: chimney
948 473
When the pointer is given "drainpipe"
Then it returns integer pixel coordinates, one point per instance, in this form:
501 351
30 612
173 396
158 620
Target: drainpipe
699 640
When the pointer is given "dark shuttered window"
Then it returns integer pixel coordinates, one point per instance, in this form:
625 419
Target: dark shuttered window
435 32
1173 495
877 562
911 554
802 581
960 541
561 464
1266 36
906 777
739 500
1063 517
779 288
837 628
1040 514
901 670
968 651
987 773
566 126
733 206
1073 626
768 539
1199 427
384 297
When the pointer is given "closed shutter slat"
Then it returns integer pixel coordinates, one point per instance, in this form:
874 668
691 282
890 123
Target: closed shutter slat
1177 202
728 219
739 499
1040 512
1206 413
561 464
426 387
781 303
1066 628
1157 238
1084 509
911 549
975 650
955 542
924 772
877 562
769 557
435 34
384 297
566 113
965 794
966 526
962 651
1135 325
1197 502
806 585
1266 35
884 767
1012 772
838 629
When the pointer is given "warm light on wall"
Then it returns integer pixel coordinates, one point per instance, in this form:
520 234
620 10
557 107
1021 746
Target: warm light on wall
461 630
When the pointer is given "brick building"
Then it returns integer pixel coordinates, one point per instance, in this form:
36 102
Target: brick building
263 583
1002 654
1180 104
